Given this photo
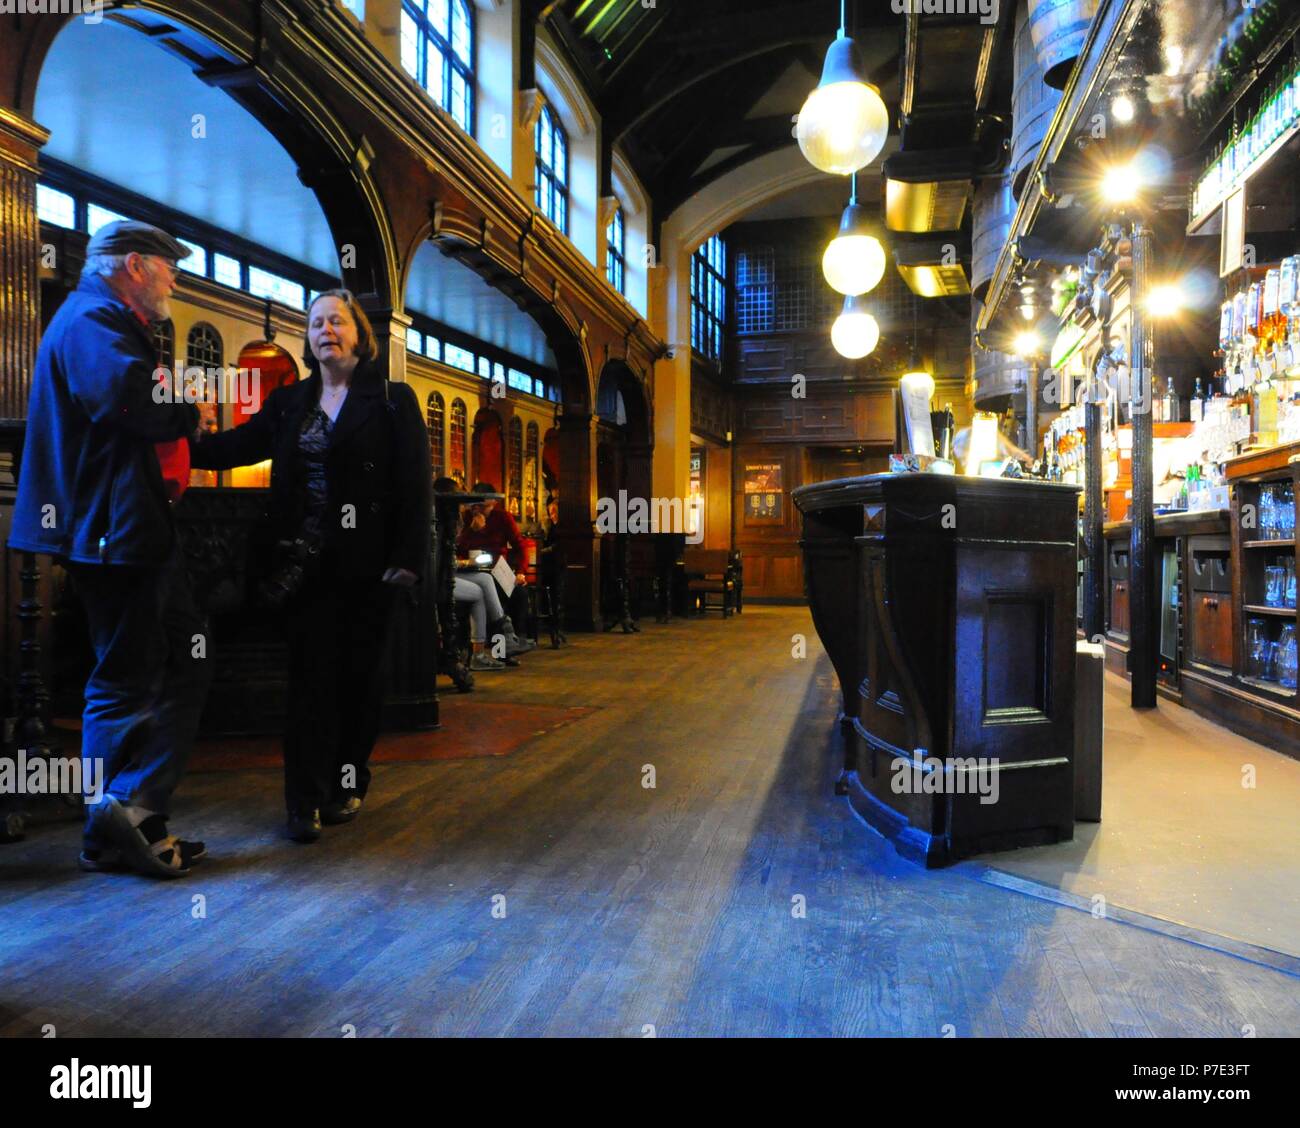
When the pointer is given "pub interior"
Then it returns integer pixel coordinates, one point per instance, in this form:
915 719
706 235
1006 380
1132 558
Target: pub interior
897 409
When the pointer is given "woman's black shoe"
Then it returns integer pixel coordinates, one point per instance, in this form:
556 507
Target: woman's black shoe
304 826
345 810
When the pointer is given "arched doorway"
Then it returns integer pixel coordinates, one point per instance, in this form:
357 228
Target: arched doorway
623 481
623 433
566 452
489 449
252 168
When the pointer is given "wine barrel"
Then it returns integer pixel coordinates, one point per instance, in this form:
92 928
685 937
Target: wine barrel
997 375
1032 105
1058 29
990 227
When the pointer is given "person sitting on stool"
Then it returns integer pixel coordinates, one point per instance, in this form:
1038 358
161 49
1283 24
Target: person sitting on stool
480 592
490 528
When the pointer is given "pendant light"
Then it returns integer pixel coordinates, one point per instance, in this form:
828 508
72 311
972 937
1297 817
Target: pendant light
916 377
854 261
843 124
855 331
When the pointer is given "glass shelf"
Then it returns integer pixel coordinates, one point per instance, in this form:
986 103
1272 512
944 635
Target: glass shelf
1265 609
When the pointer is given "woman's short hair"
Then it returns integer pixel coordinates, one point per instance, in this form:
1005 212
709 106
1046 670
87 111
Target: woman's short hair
367 346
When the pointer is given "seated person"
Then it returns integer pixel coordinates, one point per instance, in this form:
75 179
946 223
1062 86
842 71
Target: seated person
489 527
478 590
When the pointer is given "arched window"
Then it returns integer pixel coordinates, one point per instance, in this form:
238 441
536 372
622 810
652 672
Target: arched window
203 347
456 444
434 415
551 145
515 468
164 341
438 52
616 252
530 474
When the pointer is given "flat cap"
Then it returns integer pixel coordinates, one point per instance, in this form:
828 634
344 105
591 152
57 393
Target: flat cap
123 236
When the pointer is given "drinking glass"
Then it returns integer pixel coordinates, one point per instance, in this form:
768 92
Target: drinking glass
1270 662
1288 583
1256 647
1267 514
1273 585
1286 658
1286 514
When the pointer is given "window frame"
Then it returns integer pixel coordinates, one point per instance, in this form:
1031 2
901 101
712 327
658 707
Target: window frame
709 298
428 36
616 251
545 172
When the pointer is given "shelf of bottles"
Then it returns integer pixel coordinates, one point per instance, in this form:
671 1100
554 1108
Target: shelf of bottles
1063 445
1249 148
1268 584
1259 352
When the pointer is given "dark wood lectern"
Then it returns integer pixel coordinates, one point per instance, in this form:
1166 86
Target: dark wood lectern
947 606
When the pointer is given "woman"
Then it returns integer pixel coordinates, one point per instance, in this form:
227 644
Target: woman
350 508
479 593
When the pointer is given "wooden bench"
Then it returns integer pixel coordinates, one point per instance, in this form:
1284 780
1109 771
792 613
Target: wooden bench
710 572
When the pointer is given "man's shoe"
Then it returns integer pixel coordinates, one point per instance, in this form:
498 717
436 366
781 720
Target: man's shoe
147 848
108 859
304 826
485 661
344 811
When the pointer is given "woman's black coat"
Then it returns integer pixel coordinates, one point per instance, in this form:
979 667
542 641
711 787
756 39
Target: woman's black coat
377 472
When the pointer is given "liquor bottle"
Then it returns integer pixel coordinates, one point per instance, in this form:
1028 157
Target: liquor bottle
1270 330
1196 409
1288 308
1170 410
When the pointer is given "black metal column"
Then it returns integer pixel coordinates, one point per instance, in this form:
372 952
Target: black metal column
1094 608
1142 556
1032 392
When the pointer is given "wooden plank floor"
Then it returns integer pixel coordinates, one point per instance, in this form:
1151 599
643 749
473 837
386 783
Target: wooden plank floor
625 907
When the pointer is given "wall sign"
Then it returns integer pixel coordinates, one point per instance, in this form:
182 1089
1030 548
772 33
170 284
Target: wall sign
764 493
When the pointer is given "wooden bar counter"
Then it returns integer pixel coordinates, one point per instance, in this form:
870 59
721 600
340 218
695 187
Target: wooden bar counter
947 606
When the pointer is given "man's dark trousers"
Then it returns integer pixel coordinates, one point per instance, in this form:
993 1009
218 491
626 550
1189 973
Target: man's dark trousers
151 676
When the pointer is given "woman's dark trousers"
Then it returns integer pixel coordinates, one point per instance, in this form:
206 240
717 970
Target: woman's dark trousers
337 634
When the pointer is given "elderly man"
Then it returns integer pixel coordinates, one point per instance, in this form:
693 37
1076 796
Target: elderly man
92 495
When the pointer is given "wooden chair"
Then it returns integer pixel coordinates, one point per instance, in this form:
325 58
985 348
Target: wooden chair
709 572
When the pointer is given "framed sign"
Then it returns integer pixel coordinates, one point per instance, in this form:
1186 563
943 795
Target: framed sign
764 493
695 501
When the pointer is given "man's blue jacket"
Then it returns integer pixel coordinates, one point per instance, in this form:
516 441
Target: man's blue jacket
90 488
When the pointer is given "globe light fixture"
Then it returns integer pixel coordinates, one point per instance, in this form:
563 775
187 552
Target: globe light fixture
854 261
855 332
1166 300
843 124
1120 184
1028 343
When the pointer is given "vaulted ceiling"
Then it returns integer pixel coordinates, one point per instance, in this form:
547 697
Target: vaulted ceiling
690 91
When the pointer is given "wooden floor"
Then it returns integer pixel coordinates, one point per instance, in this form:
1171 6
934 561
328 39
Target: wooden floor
625 907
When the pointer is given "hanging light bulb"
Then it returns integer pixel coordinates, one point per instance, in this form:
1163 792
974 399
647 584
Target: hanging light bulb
855 331
843 124
854 261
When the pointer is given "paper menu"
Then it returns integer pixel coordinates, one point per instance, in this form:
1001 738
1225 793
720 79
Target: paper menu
504 575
